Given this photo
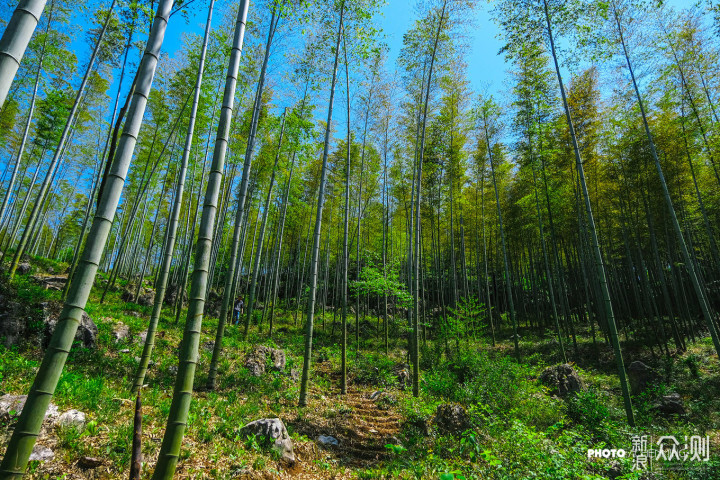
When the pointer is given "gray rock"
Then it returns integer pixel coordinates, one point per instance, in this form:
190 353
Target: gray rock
121 332
641 377
71 419
562 380
273 429
142 337
670 405
13 323
452 418
257 360
41 453
87 331
50 282
23 268
11 406
128 295
328 440
125 350
146 299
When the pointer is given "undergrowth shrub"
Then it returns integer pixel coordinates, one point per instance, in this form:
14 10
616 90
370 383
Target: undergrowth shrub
500 384
373 369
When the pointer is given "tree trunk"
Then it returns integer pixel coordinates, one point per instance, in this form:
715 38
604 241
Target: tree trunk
14 41
318 224
182 394
230 283
161 284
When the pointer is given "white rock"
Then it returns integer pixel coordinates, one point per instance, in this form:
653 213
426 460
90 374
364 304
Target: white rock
11 406
71 418
41 453
273 428
121 332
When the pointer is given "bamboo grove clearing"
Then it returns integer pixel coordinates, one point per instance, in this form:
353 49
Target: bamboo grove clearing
424 253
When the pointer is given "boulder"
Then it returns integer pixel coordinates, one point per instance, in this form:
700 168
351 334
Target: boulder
87 331
562 380
128 295
41 453
121 332
23 268
11 406
669 405
146 299
328 440
452 419
51 282
257 360
13 323
273 429
71 419
641 377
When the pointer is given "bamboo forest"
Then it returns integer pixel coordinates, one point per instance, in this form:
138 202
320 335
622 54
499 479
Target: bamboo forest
360 239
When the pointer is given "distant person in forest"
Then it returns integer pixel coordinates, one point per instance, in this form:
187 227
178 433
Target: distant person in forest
237 309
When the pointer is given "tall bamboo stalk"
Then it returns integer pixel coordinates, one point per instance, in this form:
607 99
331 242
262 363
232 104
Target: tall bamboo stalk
182 394
304 381
15 40
161 284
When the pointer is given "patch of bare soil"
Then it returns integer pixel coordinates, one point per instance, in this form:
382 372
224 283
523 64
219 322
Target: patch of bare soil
361 422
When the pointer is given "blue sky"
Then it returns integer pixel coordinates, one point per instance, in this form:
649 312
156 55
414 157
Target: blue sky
485 67
486 70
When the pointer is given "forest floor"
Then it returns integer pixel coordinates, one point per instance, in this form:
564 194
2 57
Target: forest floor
516 428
